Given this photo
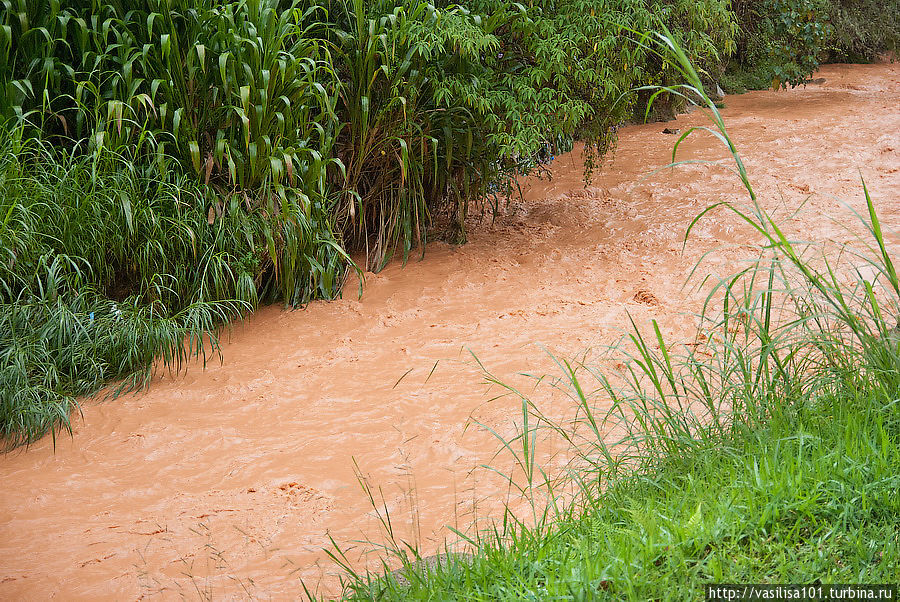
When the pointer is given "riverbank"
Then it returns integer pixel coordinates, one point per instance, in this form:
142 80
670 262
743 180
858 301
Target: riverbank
252 458
810 498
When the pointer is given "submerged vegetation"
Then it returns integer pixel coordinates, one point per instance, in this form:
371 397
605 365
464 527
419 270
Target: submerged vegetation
765 451
166 165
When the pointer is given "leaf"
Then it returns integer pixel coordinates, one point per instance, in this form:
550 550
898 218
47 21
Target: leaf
696 520
194 149
201 55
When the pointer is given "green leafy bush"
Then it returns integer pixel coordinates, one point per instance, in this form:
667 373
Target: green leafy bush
445 105
781 42
411 147
863 29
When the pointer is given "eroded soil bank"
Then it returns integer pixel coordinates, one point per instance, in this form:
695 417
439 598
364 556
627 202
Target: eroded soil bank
228 481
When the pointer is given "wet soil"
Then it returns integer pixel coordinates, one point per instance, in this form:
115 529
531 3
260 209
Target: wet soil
229 481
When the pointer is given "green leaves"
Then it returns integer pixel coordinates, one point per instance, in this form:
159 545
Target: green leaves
404 108
799 35
780 42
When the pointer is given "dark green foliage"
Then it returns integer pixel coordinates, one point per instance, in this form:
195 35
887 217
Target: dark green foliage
577 62
233 90
98 216
780 42
862 30
797 39
433 105
444 105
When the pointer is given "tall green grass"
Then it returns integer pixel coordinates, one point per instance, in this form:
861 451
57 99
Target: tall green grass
766 450
105 268
164 168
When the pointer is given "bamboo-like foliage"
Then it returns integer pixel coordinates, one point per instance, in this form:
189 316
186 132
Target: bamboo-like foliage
407 154
442 105
239 92
235 89
436 106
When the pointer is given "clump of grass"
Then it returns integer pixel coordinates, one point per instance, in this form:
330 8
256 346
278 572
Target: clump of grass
56 348
767 450
104 269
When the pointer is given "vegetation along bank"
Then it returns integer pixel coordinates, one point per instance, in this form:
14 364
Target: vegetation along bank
166 166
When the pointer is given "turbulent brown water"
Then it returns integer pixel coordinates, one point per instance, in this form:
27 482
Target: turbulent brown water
227 482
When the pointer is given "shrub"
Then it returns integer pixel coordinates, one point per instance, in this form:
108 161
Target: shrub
445 105
780 42
863 29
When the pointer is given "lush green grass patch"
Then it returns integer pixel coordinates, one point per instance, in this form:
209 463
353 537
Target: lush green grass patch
811 496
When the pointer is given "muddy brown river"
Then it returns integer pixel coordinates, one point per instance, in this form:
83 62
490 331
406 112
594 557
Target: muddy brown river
227 482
